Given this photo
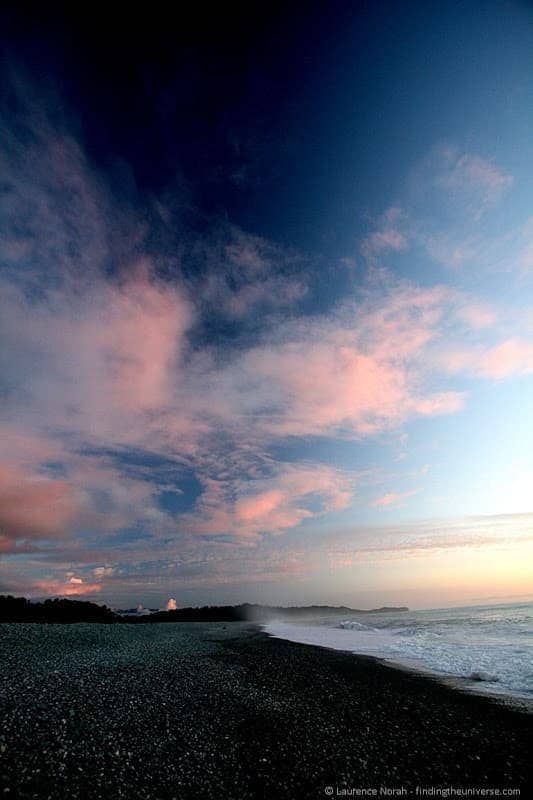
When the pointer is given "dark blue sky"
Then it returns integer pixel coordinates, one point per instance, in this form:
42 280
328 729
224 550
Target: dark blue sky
293 120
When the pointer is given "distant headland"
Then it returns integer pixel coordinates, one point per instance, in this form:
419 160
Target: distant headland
62 610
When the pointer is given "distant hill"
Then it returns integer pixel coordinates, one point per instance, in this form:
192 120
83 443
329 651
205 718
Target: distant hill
249 612
258 612
18 609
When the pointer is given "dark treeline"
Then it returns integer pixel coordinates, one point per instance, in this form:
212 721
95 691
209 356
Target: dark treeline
18 609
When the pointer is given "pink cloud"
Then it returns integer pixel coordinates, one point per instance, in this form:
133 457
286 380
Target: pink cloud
102 361
258 507
440 403
393 498
135 340
110 368
33 507
477 315
92 494
511 357
23 449
350 375
247 509
73 587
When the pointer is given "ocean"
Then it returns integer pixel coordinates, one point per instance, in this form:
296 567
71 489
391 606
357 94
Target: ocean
490 648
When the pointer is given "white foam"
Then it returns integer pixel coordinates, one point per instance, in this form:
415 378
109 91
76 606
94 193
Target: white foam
366 642
485 645
352 625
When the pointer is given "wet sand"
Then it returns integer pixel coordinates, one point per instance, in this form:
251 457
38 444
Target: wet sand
222 711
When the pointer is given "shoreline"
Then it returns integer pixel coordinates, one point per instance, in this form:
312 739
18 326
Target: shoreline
223 710
506 697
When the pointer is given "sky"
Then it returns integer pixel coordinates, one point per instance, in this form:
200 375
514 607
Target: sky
266 279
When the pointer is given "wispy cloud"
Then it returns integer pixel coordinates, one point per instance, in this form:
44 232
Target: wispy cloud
393 499
390 235
446 210
479 181
477 315
417 540
512 357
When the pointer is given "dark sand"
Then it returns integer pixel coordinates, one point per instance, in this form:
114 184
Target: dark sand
212 711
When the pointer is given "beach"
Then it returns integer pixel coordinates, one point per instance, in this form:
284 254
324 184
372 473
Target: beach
224 711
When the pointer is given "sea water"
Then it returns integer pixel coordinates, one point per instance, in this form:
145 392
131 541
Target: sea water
489 647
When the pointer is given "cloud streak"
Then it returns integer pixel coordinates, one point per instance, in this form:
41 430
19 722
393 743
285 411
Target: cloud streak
393 499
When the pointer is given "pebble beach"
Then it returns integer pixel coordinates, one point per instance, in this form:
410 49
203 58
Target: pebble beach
183 710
